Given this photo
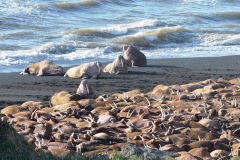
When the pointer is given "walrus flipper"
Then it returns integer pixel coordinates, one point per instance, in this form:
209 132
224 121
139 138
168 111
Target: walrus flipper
65 75
40 73
84 76
94 77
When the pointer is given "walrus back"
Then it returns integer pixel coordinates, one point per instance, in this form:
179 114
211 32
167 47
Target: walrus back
134 57
91 69
54 69
73 72
60 98
109 68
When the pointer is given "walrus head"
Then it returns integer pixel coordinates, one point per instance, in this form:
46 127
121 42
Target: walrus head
120 61
25 71
125 47
85 89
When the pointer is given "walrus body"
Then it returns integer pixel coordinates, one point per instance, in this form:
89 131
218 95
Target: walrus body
134 57
43 68
60 98
86 70
119 65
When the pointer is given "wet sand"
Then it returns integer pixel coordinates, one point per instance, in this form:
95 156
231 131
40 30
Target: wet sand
16 88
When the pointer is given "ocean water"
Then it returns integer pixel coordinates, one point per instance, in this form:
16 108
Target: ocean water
72 32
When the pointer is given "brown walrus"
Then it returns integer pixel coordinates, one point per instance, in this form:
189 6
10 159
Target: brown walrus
119 65
86 70
43 68
60 98
134 57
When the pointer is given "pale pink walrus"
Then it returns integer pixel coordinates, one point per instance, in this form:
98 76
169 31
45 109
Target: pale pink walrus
134 57
119 65
86 70
85 90
43 68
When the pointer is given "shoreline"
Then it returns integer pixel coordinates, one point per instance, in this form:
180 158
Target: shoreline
16 88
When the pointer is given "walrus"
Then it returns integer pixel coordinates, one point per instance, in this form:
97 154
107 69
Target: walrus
60 98
119 65
134 57
86 70
43 68
85 90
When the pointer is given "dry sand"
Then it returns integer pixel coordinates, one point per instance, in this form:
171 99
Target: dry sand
16 88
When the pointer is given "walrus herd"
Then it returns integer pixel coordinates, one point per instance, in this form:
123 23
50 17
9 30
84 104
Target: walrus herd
132 58
198 120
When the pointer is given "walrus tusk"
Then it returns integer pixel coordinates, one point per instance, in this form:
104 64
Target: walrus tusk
99 68
178 93
122 62
169 130
50 104
103 98
87 89
199 139
38 119
234 102
153 135
60 130
219 153
205 110
221 103
130 115
91 120
165 127
42 142
130 122
162 112
149 104
32 115
12 120
115 105
141 137
38 140
60 114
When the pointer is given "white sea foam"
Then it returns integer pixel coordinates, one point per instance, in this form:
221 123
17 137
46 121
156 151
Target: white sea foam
123 28
220 39
52 48
57 53
232 40
18 7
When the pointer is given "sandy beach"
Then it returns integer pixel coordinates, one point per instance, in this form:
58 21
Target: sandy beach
16 88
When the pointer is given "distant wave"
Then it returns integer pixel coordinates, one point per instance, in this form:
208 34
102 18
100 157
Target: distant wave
52 48
115 29
219 16
70 5
229 15
165 35
201 2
